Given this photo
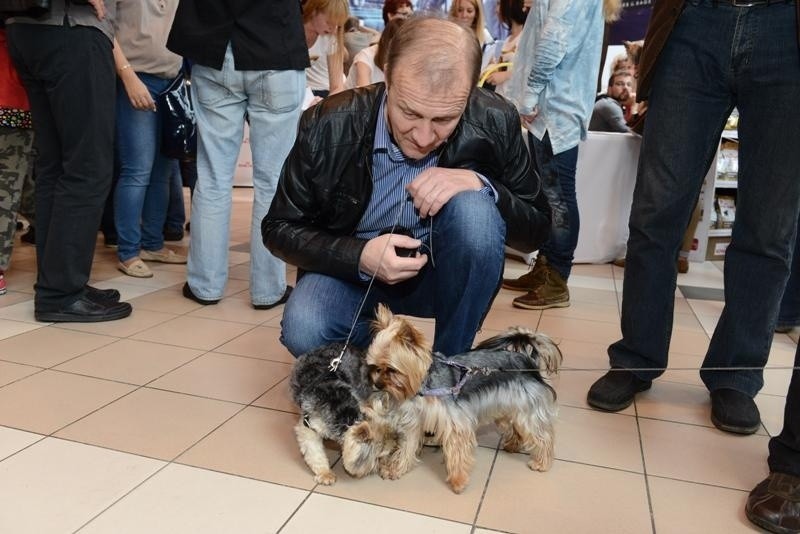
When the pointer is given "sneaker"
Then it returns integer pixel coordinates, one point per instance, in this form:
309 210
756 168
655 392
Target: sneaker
734 411
530 280
616 390
551 293
164 255
3 289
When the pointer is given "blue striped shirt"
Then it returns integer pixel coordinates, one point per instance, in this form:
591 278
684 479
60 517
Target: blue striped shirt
392 171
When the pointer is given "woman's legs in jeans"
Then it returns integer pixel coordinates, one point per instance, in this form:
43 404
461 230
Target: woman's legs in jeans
141 194
456 288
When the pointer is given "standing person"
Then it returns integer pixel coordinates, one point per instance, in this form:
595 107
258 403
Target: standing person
248 58
553 85
774 504
789 311
16 153
66 63
750 61
141 196
427 151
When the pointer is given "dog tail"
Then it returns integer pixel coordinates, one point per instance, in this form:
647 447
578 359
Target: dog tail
539 347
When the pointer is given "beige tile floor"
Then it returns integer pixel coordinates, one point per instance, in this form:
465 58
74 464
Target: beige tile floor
178 420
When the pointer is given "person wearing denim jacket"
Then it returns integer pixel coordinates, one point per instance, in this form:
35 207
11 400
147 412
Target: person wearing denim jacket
701 59
553 86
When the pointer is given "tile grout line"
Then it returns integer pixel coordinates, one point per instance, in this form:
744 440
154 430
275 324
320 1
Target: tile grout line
644 471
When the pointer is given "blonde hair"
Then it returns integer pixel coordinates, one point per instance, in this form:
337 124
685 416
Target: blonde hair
337 11
612 10
478 24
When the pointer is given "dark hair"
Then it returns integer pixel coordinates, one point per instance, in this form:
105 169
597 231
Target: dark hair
386 38
436 46
512 11
390 7
618 73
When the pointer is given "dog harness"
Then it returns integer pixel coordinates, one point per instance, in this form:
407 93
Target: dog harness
466 373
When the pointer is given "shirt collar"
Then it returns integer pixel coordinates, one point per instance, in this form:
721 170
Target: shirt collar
383 138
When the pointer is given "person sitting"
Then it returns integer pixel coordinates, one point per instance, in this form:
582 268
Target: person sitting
513 14
608 114
428 151
357 37
368 65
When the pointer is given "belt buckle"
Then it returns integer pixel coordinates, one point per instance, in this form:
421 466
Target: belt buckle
746 3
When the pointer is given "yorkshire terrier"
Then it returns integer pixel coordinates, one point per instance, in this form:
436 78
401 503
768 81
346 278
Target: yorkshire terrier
340 405
448 398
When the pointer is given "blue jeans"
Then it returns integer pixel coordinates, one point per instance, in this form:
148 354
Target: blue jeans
715 59
557 172
142 190
789 314
456 289
272 100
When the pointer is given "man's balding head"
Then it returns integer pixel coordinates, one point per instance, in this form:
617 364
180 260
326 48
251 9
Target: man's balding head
435 50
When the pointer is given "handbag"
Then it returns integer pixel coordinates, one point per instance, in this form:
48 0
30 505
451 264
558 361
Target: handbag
24 8
178 126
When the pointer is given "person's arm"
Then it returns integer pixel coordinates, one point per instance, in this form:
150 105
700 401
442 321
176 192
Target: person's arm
564 19
612 115
137 92
363 74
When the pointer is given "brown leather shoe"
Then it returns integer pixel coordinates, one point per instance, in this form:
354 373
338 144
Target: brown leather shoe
530 280
774 504
552 293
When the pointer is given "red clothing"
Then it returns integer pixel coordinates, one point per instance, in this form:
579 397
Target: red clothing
12 93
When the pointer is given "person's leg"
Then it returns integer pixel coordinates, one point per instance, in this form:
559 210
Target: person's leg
462 277
140 161
176 211
789 313
69 74
274 105
15 163
220 104
558 183
765 62
320 311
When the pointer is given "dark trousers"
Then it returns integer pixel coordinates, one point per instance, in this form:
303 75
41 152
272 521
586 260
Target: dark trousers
69 75
784 449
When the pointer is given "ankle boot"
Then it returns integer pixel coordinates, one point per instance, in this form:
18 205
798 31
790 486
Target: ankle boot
530 280
552 293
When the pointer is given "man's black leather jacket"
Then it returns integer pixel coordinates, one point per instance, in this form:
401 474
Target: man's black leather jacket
326 181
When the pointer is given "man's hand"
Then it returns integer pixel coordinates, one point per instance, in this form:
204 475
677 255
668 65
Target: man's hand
433 187
99 8
528 119
378 257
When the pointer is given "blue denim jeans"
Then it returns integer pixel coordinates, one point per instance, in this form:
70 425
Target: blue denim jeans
456 288
557 172
176 211
272 100
142 191
789 314
715 59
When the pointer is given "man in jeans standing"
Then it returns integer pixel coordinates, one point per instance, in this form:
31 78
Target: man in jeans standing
249 59
701 59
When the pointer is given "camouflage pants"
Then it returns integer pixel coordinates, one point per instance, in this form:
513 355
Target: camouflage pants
16 166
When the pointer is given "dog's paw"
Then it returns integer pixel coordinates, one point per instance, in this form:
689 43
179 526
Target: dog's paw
539 464
326 479
389 472
458 483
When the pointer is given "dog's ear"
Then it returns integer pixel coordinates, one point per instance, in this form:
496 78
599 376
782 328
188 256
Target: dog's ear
362 432
383 317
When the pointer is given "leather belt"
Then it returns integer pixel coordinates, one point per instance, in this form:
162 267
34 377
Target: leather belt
752 3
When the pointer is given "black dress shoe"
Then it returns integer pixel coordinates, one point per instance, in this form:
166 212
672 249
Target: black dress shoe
615 390
734 411
102 296
774 504
282 300
86 310
187 292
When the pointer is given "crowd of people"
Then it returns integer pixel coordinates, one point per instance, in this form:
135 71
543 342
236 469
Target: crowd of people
404 181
